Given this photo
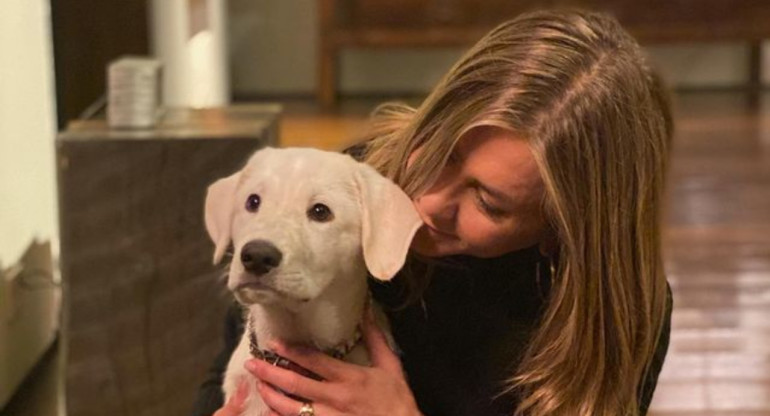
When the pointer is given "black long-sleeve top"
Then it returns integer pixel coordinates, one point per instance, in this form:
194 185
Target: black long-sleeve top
461 342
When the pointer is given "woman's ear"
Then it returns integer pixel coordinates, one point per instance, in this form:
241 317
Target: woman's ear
220 200
388 223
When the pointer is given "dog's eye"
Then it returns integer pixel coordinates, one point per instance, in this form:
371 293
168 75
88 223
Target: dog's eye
320 213
252 203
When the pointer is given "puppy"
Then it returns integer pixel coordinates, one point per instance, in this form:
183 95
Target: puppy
305 226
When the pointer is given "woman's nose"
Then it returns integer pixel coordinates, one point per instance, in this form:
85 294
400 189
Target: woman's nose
440 205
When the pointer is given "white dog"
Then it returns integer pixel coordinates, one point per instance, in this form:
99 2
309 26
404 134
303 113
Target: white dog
305 226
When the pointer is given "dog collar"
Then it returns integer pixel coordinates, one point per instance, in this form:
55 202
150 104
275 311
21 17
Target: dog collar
338 352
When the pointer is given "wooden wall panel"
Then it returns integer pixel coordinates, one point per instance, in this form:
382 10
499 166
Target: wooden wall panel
440 23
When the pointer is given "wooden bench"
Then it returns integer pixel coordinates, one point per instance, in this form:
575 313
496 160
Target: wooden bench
439 23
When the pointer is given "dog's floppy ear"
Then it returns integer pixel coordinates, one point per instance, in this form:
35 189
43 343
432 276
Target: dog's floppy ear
219 213
388 223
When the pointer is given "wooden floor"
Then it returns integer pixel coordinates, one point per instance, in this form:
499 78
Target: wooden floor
717 246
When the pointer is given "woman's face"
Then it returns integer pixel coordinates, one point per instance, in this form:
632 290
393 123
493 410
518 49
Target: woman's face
487 200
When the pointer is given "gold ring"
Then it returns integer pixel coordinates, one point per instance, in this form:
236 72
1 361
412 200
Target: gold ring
306 410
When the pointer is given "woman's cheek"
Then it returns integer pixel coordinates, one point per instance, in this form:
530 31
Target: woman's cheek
476 231
487 238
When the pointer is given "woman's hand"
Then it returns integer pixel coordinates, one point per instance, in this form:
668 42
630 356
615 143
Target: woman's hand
348 389
234 406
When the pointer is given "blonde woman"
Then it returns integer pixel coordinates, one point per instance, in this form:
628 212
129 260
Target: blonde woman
536 286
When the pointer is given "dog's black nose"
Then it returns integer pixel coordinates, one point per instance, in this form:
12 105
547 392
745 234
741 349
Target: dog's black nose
260 256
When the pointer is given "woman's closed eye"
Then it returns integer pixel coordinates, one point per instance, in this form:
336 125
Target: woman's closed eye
491 210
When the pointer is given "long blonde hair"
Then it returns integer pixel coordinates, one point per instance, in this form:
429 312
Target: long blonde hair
577 86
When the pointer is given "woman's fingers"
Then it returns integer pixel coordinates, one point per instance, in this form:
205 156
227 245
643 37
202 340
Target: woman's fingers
319 363
280 403
379 349
347 389
288 380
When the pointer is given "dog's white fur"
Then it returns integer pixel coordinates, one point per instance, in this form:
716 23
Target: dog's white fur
317 295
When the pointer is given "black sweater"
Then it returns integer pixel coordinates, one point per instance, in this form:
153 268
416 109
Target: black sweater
461 341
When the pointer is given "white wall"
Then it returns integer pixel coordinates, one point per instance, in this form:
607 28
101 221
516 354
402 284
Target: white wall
27 127
28 319
273 51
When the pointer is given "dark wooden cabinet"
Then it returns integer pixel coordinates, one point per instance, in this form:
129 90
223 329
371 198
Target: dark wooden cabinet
430 23
143 306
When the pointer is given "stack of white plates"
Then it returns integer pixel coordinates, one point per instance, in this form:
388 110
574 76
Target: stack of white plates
133 89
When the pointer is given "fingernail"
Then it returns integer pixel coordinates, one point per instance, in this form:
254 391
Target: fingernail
251 365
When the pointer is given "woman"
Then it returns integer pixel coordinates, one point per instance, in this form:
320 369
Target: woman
538 165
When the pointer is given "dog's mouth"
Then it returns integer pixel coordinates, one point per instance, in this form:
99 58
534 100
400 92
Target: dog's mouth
255 292
259 286
251 292
247 288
